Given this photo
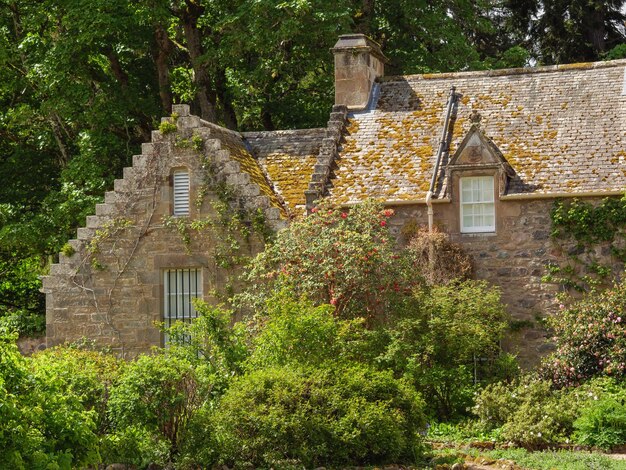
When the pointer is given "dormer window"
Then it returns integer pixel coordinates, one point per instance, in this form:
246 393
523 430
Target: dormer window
181 193
477 204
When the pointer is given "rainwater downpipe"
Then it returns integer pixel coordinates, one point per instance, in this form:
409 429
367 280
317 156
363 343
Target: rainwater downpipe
442 145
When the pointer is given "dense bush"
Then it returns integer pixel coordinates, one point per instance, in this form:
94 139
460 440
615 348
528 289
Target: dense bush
314 417
295 331
87 375
601 419
40 425
154 400
590 337
529 412
437 345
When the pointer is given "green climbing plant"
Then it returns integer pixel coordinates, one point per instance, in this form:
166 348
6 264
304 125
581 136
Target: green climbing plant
584 227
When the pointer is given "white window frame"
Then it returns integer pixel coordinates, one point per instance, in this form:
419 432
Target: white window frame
477 195
180 192
180 287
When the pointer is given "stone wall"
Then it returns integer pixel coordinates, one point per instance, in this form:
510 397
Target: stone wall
108 287
514 258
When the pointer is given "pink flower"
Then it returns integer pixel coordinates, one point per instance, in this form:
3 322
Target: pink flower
333 301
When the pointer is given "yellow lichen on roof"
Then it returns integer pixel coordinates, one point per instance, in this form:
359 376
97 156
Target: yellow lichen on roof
290 175
550 126
249 165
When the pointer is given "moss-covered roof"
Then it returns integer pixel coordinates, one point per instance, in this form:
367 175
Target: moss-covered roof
234 143
288 159
562 129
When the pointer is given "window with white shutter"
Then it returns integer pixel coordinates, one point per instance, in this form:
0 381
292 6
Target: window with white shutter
181 193
477 204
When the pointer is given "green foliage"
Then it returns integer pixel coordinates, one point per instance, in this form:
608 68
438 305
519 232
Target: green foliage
212 344
529 412
157 395
338 257
299 333
86 375
21 305
275 416
586 223
40 425
588 226
438 344
590 337
618 52
167 127
602 423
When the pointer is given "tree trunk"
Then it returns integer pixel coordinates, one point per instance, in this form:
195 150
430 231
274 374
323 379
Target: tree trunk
230 118
266 119
161 56
205 94
116 67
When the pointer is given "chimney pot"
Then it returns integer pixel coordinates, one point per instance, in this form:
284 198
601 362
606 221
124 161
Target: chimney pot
358 63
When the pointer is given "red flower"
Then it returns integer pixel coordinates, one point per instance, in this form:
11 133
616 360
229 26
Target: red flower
344 215
383 223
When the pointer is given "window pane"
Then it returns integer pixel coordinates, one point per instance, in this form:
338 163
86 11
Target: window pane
477 204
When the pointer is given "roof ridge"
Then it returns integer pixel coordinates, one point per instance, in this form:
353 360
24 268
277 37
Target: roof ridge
507 72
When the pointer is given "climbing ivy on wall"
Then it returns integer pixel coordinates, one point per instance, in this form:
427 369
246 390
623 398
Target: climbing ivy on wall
589 233
234 225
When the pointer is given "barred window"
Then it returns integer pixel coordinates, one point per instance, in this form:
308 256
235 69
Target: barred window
180 287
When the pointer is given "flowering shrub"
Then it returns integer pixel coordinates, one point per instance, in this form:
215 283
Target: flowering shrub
590 337
336 256
529 412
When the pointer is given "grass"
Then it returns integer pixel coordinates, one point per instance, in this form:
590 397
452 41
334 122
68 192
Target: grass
546 460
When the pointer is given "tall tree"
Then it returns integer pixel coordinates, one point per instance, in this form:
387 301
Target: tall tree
562 31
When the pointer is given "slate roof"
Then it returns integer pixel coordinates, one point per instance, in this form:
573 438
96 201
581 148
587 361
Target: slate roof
561 128
288 159
239 152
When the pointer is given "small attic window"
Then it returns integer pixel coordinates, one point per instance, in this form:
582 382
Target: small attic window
477 204
181 192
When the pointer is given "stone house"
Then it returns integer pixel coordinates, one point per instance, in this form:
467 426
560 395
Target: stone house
481 155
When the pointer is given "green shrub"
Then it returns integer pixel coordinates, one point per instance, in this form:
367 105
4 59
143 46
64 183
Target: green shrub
602 417
298 332
529 412
86 375
437 344
157 396
285 415
215 347
24 323
602 424
40 426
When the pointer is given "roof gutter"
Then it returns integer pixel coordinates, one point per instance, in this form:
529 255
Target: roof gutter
442 145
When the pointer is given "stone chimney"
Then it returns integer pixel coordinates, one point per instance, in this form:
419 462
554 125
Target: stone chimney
358 63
